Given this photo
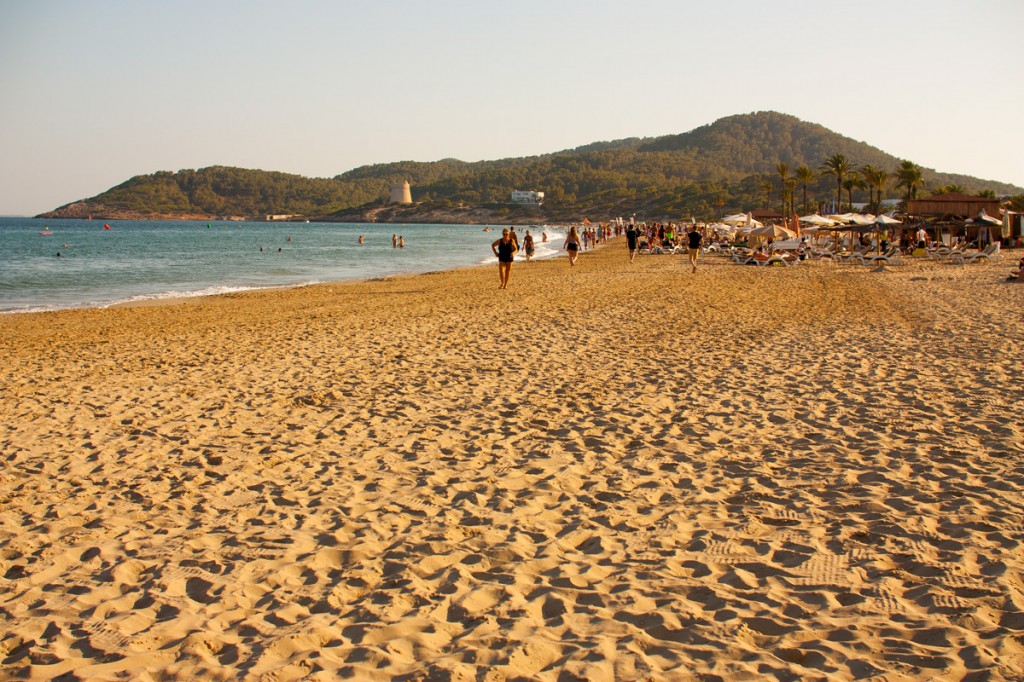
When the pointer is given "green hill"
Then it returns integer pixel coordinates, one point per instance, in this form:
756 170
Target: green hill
722 167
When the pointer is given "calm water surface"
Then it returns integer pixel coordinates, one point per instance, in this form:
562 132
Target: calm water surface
140 260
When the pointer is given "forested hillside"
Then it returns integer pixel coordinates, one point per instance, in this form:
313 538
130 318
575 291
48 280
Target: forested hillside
730 165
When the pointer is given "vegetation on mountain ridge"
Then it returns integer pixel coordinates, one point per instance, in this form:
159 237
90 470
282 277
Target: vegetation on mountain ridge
732 164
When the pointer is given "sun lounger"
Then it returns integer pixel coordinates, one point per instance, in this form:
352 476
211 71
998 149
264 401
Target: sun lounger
991 252
945 252
775 259
849 256
890 257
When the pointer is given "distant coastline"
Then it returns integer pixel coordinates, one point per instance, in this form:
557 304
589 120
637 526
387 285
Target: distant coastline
423 214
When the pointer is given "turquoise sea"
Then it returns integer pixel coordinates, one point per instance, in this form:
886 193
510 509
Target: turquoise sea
142 260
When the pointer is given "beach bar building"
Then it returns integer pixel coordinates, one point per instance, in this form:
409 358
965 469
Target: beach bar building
766 215
961 206
954 214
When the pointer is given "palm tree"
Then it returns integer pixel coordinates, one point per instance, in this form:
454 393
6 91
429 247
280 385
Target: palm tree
877 178
791 184
838 166
911 176
987 193
783 170
855 181
806 176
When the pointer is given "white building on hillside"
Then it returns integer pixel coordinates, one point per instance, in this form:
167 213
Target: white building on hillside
527 197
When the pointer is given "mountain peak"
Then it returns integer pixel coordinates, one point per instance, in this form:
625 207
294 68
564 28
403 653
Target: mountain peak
730 163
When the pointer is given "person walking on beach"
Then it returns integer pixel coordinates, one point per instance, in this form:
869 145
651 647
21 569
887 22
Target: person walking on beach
515 237
572 245
528 246
505 249
694 239
632 240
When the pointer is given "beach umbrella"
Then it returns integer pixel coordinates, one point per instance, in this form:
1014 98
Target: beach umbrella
859 219
985 222
986 218
736 219
842 221
840 228
882 223
773 231
817 221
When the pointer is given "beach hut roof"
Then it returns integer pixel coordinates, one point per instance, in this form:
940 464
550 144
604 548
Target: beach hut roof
953 204
954 196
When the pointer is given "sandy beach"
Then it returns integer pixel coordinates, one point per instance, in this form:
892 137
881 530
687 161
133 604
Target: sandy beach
603 473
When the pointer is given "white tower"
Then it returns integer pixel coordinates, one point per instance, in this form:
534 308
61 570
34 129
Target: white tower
401 194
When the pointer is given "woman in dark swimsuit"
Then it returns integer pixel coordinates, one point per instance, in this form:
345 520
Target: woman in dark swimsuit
572 245
505 249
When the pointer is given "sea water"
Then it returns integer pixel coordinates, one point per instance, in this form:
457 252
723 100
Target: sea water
138 260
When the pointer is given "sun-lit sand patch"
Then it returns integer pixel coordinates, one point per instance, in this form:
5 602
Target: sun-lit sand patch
608 472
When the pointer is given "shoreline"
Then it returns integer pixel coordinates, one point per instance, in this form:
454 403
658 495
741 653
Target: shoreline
310 272
162 300
604 472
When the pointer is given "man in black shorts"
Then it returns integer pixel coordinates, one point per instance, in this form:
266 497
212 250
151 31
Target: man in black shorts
632 237
694 239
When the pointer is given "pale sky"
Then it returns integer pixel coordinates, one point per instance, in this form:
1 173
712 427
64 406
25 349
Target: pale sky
93 92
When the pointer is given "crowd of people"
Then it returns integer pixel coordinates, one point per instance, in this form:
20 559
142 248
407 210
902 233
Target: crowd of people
691 239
